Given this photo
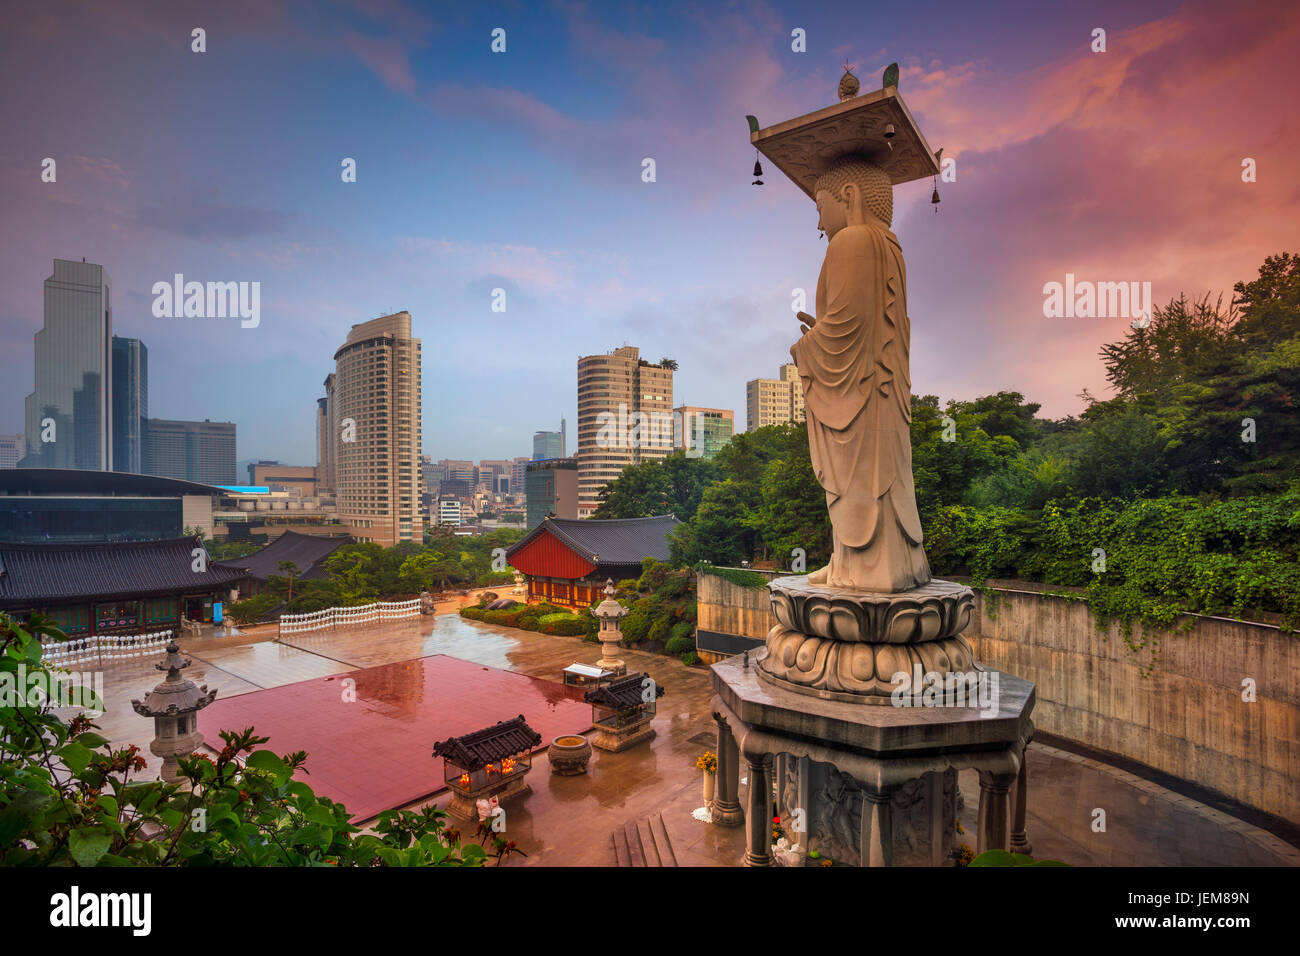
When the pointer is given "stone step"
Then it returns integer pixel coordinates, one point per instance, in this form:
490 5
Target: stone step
619 842
635 851
662 842
643 843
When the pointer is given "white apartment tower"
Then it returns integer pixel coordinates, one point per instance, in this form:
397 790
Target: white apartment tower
377 438
774 401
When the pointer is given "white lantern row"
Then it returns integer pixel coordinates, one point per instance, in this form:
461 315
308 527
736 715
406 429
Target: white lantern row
347 616
104 648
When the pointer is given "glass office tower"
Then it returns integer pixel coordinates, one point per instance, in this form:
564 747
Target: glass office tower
130 403
69 413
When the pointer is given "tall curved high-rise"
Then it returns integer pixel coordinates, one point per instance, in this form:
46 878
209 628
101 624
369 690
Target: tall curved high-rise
625 417
377 439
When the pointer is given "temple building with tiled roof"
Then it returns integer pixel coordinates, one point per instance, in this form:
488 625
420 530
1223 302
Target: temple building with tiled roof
306 552
114 588
566 561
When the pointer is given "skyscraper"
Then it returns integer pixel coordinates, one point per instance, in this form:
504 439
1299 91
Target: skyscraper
69 412
625 407
130 403
195 451
326 435
552 489
11 450
378 434
549 444
774 401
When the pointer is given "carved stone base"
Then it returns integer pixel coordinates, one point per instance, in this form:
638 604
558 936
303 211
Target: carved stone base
929 613
863 673
613 741
843 644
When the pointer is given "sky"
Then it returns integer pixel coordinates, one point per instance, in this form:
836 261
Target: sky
522 170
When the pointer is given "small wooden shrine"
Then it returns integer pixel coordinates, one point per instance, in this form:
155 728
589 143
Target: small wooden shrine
487 763
621 711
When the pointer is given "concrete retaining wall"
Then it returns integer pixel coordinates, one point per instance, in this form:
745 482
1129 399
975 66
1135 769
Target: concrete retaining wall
1185 716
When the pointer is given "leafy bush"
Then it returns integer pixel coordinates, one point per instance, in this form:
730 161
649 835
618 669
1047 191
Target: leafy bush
737 576
251 610
473 613
564 624
70 799
680 644
661 627
636 625
1164 557
689 658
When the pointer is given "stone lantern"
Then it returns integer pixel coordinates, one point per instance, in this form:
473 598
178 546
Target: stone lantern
610 612
174 705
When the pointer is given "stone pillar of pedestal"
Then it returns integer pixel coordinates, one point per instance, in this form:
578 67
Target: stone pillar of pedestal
877 833
1019 839
758 843
726 799
994 798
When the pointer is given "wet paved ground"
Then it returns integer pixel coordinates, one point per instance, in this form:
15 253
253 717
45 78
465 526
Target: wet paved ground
569 820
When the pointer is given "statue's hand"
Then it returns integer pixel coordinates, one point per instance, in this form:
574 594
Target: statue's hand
807 319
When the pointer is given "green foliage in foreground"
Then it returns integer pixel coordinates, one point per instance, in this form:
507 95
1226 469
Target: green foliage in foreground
68 798
1003 858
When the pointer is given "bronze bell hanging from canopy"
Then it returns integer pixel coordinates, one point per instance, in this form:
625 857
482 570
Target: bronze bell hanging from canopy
758 172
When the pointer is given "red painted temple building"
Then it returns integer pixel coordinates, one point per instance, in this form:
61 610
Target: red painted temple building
566 561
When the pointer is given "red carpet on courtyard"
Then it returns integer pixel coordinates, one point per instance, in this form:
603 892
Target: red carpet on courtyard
375 753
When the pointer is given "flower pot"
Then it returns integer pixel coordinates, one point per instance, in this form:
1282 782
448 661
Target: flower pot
568 755
709 780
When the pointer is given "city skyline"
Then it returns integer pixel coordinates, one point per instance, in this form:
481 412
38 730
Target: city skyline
522 171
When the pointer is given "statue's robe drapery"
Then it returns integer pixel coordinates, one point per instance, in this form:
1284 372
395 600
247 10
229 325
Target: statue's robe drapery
857 399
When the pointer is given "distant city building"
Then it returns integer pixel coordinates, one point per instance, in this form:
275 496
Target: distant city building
69 412
449 511
551 490
774 401
491 471
130 403
550 444
518 473
278 477
377 434
11 451
39 505
193 451
327 435
624 418
701 432
459 477
245 511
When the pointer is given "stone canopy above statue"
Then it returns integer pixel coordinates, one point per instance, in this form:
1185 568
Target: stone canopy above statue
806 147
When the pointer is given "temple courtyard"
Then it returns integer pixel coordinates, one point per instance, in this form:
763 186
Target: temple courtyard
427 678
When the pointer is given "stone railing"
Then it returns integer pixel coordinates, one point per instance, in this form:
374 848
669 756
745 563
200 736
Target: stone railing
104 648
348 616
